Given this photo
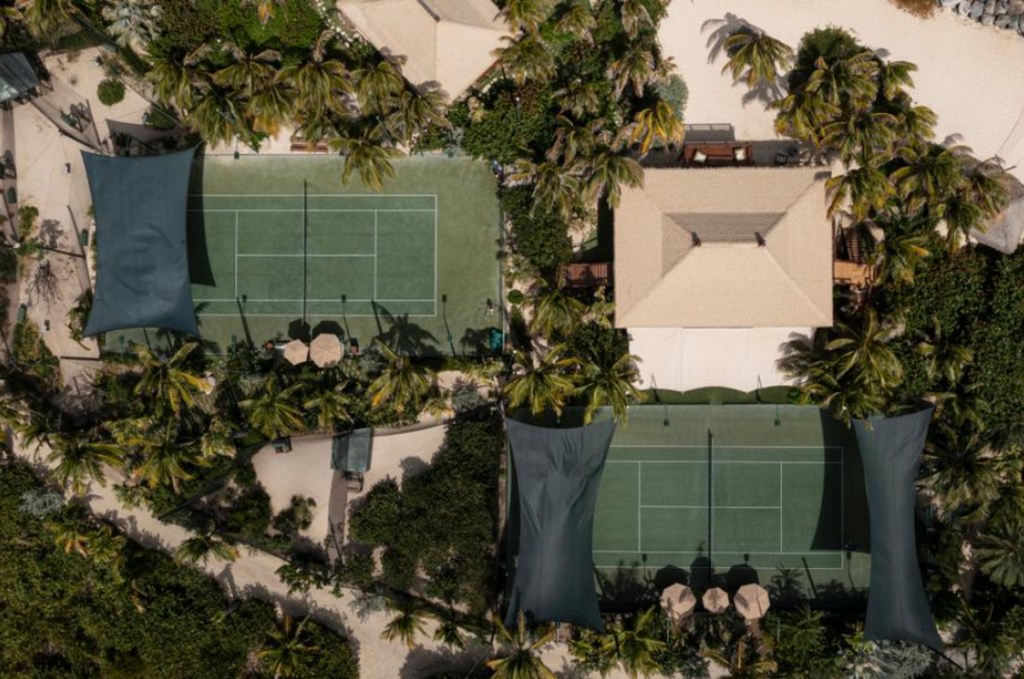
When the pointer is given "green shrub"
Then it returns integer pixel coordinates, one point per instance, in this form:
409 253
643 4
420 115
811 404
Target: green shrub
32 356
110 92
516 297
249 514
597 344
66 616
158 118
674 91
377 521
297 517
8 263
543 237
511 128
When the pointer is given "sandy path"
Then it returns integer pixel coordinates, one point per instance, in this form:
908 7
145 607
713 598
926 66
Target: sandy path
968 74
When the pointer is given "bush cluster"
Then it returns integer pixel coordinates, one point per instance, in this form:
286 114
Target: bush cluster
138 615
442 521
110 92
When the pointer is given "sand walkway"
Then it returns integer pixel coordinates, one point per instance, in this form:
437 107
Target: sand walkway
968 74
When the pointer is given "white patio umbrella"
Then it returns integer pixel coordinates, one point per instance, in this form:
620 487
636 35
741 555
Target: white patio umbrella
678 601
715 600
751 601
296 352
325 350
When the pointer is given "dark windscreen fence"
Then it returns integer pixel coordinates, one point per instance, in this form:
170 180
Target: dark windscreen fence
557 476
142 273
890 448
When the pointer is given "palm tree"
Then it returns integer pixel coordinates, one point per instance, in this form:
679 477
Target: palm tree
580 97
70 534
986 648
79 461
606 172
331 405
541 384
556 314
527 58
521 659
755 56
613 386
7 15
554 189
166 383
861 135
866 188
406 624
525 16
414 112
929 176
106 547
944 359
285 648
366 155
270 106
743 662
899 256
44 18
199 548
635 17
271 411
377 85
634 69
577 20
964 474
318 83
402 383
863 349
657 123
246 72
449 634
1000 554
636 646
849 83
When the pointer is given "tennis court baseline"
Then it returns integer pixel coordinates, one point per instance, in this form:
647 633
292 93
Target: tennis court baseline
291 254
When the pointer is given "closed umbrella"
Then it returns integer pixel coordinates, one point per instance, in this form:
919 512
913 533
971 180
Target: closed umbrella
716 600
751 601
296 352
325 350
678 600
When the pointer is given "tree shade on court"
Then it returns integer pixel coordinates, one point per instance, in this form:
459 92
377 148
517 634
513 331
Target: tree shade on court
557 473
142 273
890 448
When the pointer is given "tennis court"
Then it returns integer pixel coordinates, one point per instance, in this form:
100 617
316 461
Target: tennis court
708 489
286 255
278 243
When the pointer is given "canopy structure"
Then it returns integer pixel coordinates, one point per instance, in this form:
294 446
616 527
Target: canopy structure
17 77
890 448
142 275
351 452
557 473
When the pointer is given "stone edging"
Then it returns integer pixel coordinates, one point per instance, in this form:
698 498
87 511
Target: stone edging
1005 14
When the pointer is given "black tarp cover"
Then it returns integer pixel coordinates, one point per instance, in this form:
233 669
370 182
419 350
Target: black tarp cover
890 448
557 476
142 277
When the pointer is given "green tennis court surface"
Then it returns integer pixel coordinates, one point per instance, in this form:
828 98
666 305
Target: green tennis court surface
276 242
334 254
712 489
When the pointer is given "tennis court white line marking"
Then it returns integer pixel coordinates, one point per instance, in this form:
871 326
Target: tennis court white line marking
639 508
435 254
292 315
705 507
314 195
781 543
755 566
260 254
312 209
375 254
236 255
724 462
308 299
720 446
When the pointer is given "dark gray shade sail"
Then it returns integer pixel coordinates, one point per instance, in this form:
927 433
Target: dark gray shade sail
557 473
142 278
890 448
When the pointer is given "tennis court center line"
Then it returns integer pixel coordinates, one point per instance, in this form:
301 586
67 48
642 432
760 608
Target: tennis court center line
435 254
314 195
639 508
236 255
276 254
276 209
375 254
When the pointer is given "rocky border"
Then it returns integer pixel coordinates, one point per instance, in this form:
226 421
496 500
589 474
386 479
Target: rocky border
1005 14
